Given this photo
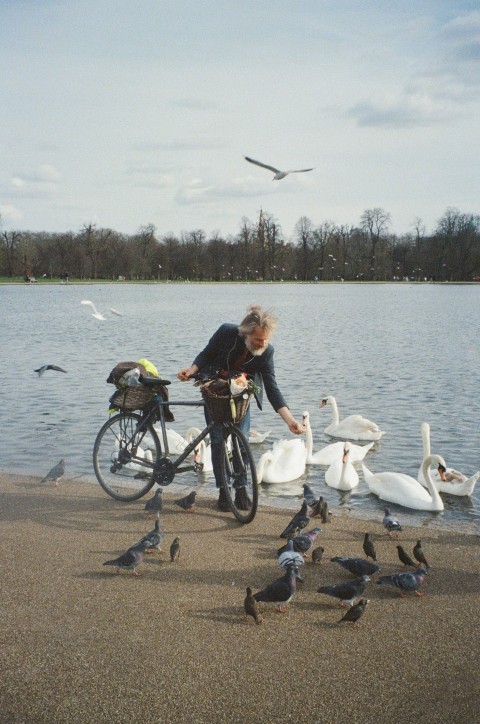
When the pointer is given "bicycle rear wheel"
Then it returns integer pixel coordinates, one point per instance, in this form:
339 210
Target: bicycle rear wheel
123 456
238 471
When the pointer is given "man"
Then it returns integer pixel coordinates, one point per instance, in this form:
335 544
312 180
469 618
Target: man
243 348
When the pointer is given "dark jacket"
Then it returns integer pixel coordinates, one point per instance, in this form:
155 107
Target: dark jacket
225 347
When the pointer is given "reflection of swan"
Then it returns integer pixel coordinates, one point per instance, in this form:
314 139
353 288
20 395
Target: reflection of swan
354 427
255 437
454 482
341 474
100 315
405 490
284 462
204 450
328 454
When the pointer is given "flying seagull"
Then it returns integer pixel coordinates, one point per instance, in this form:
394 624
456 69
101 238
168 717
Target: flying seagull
278 174
44 368
100 315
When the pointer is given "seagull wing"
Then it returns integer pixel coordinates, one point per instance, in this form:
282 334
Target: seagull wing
263 165
90 304
300 170
115 311
55 367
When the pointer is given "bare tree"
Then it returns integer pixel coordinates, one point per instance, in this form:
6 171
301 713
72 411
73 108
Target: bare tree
374 223
303 234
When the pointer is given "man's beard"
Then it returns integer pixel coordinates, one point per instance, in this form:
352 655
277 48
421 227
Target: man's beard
254 352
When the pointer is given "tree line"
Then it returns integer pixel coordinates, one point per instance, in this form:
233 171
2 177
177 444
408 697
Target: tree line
259 251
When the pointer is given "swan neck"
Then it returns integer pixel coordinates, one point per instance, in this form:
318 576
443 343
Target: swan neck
428 480
426 440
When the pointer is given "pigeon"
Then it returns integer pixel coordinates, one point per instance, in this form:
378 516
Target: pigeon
154 504
302 543
419 554
44 368
317 554
251 607
369 548
356 611
175 550
154 537
188 502
291 557
54 475
100 315
358 566
278 174
130 559
321 509
405 558
346 592
390 523
280 591
309 496
405 582
299 521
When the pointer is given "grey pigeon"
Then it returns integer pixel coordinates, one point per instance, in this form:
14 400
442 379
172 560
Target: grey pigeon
299 521
130 559
44 368
154 537
356 611
280 591
251 607
278 174
346 593
175 550
154 504
390 523
405 582
54 475
302 543
369 548
358 566
405 558
188 502
309 496
291 557
317 554
419 555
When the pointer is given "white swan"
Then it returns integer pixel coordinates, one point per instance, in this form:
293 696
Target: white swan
405 490
341 474
204 450
255 437
176 442
454 482
354 427
284 462
328 454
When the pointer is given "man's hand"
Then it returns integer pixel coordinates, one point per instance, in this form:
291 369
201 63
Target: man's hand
293 425
185 374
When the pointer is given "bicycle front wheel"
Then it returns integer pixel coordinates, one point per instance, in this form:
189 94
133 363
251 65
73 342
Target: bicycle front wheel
123 456
239 475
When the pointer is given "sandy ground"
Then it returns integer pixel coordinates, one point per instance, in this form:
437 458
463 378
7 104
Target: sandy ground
81 643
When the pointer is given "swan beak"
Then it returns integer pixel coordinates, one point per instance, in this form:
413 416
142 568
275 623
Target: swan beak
441 471
323 403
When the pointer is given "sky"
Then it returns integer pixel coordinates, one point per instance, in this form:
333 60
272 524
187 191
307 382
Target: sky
123 114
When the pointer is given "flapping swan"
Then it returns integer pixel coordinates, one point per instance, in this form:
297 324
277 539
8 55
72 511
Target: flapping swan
453 482
328 454
354 427
341 474
284 462
204 450
405 490
255 437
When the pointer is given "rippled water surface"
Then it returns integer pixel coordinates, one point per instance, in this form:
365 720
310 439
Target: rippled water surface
398 354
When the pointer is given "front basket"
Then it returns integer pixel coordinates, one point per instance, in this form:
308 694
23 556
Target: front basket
224 407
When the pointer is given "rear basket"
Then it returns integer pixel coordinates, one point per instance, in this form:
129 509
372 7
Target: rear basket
132 398
222 407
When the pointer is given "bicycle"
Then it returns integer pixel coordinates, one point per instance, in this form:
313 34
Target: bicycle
130 456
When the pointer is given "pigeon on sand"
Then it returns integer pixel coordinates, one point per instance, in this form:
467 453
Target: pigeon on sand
299 521
129 560
390 523
280 591
278 174
419 555
154 537
356 611
154 504
54 475
405 558
346 593
357 566
188 502
405 582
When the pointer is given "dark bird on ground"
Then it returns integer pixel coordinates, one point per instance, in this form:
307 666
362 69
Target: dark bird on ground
154 537
405 558
154 504
358 566
299 521
280 591
43 369
188 502
391 524
251 607
309 496
317 554
302 543
130 559
346 593
356 611
278 174
405 582
324 511
55 474
369 548
419 554
175 550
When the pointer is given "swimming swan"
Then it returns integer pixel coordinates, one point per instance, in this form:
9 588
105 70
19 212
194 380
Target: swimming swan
284 462
405 490
328 454
255 437
354 427
204 450
341 474
454 482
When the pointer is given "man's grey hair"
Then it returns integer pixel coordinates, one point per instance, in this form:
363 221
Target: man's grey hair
258 317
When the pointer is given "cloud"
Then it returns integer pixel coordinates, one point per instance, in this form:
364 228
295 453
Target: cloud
407 109
40 181
179 144
195 104
9 212
198 191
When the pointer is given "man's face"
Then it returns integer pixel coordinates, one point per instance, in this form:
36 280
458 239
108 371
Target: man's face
257 341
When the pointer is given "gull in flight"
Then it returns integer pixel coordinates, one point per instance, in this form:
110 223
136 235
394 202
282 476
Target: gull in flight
100 315
44 368
278 174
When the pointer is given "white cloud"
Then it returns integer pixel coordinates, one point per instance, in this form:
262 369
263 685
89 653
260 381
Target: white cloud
42 180
8 212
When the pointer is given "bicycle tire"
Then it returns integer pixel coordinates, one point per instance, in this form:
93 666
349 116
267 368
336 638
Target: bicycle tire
127 480
237 470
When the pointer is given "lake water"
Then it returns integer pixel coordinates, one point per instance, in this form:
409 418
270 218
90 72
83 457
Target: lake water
400 354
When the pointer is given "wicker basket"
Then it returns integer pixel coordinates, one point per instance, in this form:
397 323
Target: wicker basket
132 398
222 407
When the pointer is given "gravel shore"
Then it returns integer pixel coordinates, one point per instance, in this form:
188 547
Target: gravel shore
83 644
